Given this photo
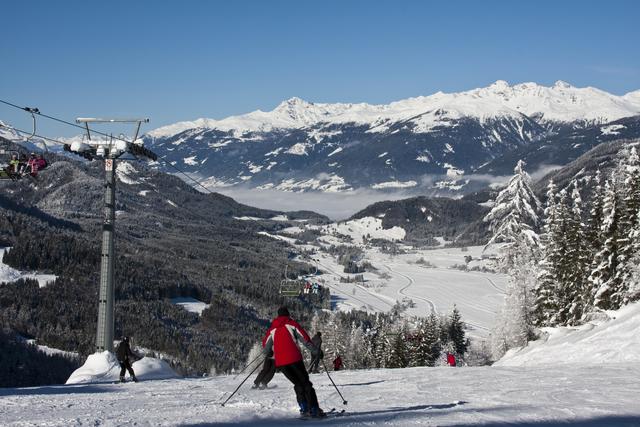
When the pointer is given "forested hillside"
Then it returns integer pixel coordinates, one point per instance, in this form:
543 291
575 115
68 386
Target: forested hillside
171 241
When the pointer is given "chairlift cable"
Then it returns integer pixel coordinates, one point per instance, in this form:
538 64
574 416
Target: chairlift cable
36 111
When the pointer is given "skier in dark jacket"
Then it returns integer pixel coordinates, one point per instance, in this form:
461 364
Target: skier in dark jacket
124 355
315 360
283 337
267 372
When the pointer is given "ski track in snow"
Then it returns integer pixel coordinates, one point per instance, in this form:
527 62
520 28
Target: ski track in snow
574 395
410 282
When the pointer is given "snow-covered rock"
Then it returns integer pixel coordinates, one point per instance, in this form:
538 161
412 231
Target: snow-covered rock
104 367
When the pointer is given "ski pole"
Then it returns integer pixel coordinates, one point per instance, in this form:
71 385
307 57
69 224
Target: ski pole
344 402
249 364
243 381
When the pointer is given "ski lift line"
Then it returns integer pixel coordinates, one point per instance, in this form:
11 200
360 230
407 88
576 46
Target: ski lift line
34 135
37 111
84 128
168 163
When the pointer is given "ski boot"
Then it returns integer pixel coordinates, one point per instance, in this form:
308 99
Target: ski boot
262 386
255 386
122 379
316 412
135 380
304 410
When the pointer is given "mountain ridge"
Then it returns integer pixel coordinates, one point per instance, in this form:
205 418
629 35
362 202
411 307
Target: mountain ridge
579 103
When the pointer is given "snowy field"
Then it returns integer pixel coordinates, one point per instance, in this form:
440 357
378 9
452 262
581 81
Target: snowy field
601 395
9 274
192 305
432 285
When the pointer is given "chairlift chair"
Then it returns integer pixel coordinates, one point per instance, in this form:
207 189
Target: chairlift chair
5 157
290 287
6 153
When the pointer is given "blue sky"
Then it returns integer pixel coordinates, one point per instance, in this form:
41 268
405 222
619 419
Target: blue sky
173 61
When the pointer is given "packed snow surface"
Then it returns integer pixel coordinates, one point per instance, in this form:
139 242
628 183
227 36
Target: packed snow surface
614 341
104 367
577 396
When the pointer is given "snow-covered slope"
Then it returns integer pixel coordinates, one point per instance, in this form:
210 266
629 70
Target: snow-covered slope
605 342
560 102
576 396
9 274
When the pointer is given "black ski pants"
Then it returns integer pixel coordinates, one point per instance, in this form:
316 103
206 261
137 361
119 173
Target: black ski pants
315 362
126 365
297 374
267 372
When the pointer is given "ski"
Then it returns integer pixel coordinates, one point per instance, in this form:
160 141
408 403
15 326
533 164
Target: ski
332 413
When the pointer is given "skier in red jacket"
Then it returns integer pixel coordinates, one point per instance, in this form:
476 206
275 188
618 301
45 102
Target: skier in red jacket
283 337
451 359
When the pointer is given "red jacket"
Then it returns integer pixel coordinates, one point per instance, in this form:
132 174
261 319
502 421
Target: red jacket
451 359
283 336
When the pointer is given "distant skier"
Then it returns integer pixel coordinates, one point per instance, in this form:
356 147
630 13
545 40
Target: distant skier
267 372
337 363
283 337
451 359
124 355
315 360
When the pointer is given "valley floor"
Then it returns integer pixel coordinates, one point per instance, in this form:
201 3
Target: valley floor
491 396
432 285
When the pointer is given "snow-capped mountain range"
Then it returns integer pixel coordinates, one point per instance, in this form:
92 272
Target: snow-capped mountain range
426 144
560 103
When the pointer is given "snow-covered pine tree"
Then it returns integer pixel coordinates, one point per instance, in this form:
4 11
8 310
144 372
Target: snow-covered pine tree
357 351
399 352
427 350
594 238
562 268
603 280
576 262
546 294
628 244
514 323
380 344
514 216
633 292
455 329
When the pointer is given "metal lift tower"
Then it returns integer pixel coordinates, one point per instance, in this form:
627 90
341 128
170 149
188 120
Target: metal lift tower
110 150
